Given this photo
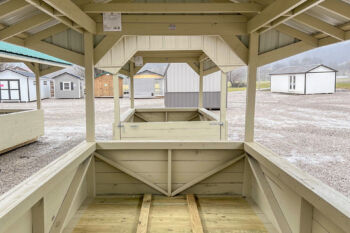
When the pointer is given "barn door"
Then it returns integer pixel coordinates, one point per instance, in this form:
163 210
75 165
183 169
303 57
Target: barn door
9 90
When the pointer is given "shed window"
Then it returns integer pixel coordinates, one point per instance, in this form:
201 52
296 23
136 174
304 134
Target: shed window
72 86
292 82
66 86
45 83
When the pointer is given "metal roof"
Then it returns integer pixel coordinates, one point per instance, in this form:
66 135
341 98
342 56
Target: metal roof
299 69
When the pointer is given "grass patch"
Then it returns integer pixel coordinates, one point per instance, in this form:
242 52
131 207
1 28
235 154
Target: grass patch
343 83
259 85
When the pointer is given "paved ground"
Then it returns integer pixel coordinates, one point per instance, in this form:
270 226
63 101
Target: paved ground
312 132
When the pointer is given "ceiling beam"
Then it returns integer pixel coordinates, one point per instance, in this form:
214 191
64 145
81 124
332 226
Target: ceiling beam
194 67
338 7
23 26
50 70
296 11
297 34
321 26
174 8
104 46
11 7
47 9
273 11
237 47
45 33
74 13
169 59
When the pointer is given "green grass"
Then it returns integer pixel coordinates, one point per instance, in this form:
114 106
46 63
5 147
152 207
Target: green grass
343 83
260 85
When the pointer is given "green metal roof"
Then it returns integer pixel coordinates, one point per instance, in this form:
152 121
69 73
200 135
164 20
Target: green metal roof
21 51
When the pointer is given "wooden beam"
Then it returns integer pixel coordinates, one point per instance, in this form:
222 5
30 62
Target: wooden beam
196 223
201 85
140 116
37 86
223 106
194 67
132 88
47 9
306 215
251 86
74 13
269 195
211 70
173 8
142 224
23 26
188 60
89 85
284 52
105 45
50 70
117 123
338 7
297 34
273 11
207 175
169 171
38 217
237 47
130 173
320 26
91 179
12 7
71 194
45 34
247 180
296 11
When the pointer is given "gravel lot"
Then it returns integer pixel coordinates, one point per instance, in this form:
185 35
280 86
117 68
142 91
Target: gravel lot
312 132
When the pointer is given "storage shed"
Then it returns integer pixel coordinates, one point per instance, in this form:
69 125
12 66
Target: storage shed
308 79
148 84
68 86
20 86
182 87
104 85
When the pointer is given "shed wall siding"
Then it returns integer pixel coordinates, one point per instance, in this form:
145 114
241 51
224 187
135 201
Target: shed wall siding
61 94
211 100
144 88
318 83
280 83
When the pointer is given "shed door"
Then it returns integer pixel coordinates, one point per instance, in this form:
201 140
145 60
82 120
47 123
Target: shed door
9 90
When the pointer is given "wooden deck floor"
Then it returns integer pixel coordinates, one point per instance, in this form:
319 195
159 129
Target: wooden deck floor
121 214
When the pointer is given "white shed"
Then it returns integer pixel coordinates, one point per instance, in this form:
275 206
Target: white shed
148 84
310 79
182 87
19 85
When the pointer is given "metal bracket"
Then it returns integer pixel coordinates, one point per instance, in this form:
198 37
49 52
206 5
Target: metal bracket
217 123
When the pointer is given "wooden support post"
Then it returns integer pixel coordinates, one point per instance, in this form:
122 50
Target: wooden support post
196 223
223 106
117 123
251 86
89 85
130 173
169 172
68 200
131 88
144 214
201 84
247 181
37 85
206 175
38 217
269 195
91 179
306 212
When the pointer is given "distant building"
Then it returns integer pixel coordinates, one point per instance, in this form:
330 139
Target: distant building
182 87
20 86
68 86
310 79
148 84
104 85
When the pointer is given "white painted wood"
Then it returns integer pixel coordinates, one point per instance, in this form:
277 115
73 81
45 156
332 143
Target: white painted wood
223 107
169 171
116 125
37 86
21 127
38 217
306 213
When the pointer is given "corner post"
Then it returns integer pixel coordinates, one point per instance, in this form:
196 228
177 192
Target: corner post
89 84
116 132
37 85
201 84
132 89
251 86
223 106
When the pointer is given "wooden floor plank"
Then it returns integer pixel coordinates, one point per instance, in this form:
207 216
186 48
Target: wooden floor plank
143 219
196 222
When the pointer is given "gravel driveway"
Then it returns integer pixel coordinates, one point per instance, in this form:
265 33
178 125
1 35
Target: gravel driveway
312 132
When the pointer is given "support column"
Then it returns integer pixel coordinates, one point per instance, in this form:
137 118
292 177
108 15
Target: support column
116 132
37 85
89 85
132 89
223 106
201 82
251 86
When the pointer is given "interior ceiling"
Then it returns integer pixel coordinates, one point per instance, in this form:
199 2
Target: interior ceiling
47 26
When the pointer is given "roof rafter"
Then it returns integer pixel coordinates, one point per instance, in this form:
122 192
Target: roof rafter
338 7
105 45
44 7
237 47
272 12
297 34
23 26
321 26
11 7
45 33
74 13
172 7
